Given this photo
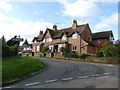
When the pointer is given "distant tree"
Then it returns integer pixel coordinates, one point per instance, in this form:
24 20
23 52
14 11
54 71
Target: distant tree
12 43
3 40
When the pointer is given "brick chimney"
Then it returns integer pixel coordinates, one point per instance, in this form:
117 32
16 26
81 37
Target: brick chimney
41 32
74 25
54 27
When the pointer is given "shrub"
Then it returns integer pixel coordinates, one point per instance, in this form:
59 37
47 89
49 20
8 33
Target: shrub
83 55
27 52
39 53
64 50
100 53
5 51
44 49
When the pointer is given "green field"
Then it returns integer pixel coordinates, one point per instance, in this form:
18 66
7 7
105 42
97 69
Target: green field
14 69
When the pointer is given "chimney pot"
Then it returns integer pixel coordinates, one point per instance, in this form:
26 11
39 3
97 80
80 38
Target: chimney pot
54 27
74 25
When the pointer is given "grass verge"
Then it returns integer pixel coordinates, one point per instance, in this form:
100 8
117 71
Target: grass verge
14 68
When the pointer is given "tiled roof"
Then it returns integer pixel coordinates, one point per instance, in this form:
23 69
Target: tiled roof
102 35
58 43
58 33
69 31
90 43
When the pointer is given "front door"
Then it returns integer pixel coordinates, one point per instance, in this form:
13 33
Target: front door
56 48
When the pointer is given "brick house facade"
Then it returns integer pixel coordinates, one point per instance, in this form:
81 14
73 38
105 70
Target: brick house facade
77 38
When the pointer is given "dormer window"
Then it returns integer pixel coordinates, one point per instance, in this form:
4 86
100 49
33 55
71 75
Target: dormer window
74 36
64 37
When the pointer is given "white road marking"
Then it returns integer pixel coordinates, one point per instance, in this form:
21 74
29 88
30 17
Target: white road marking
51 80
67 79
96 75
110 65
106 73
31 84
8 87
82 77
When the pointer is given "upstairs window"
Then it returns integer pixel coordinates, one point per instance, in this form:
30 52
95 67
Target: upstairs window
90 38
64 37
99 41
48 40
74 48
74 36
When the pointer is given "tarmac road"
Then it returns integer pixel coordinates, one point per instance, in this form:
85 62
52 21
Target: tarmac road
71 74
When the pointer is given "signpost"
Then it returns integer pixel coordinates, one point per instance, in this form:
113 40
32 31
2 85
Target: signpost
18 40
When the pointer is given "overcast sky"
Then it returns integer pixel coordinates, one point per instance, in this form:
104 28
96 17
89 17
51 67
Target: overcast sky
27 18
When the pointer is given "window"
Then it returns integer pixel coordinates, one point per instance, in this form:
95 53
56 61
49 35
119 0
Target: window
74 48
99 41
90 38
44 40
48 40
37 48
83 46
50 47
111 39
74 36
60 45
64 37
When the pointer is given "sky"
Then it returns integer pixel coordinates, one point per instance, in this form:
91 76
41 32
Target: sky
27 17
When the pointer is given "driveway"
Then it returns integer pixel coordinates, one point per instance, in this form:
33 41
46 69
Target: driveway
71 74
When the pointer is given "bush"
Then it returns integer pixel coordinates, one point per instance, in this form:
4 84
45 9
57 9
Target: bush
72 55
40 54
83 55
64 50
44 49
100 53
5 51
27 52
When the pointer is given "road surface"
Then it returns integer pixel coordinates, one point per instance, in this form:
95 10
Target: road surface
71 74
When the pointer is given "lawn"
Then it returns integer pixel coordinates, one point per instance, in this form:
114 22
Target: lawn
14 68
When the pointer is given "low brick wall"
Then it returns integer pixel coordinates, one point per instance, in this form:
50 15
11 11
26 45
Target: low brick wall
102 59
58 55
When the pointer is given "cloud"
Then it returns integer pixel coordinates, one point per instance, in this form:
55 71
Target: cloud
80 8
6 6
107 23
26 29
35 12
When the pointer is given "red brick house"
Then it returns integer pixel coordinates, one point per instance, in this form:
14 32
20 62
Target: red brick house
77 38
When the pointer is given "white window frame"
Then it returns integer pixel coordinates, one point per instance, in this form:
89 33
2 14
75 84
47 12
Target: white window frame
64 37
48 39
38 48
60 45
74 48
99 40
90 39
74 36
111 39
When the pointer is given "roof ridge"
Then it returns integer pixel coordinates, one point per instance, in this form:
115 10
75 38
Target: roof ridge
71 27
103 31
